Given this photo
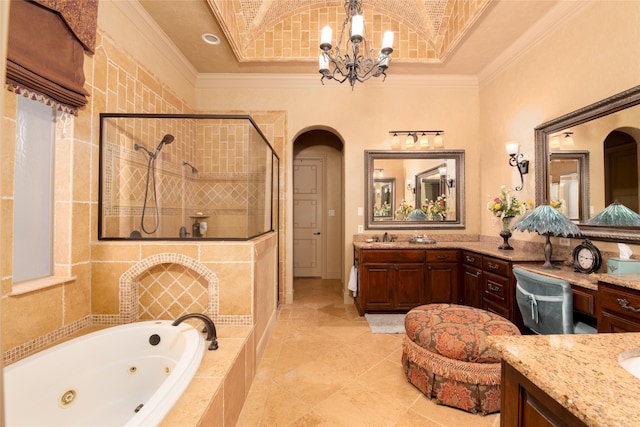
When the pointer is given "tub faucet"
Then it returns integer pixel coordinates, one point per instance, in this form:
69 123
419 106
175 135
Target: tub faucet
385 238
208 326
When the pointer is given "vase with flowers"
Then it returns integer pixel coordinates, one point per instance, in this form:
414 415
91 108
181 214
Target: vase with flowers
436 209
505 207
403 211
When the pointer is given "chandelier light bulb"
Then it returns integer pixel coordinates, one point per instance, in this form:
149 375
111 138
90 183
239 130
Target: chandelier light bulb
325 38
387 40
357 26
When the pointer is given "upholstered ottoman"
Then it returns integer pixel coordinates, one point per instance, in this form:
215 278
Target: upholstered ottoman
446 357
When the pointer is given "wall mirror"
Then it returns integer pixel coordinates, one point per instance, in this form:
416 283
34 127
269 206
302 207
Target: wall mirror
602 138
425 189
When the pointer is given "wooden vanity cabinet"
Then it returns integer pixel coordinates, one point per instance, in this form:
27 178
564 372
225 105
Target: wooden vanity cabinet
619 308
442 276
524 404
391 280
397 280
471 279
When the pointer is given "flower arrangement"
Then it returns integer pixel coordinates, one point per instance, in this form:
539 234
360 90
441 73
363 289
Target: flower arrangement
404 209
507 205
437 207
556 203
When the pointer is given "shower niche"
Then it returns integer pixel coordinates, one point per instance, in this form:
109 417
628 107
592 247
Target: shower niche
189 177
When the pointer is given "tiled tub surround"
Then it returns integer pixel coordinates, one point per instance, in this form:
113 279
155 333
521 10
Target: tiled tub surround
581 372
245 274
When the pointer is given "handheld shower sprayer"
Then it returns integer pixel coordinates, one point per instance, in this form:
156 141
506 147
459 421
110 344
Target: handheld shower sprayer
167 139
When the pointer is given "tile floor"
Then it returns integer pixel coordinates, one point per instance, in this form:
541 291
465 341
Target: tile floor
323 367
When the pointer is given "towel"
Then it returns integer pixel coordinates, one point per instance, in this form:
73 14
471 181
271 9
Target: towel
353 281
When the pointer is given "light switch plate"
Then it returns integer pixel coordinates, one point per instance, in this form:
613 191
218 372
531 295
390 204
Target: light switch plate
360 229
360 212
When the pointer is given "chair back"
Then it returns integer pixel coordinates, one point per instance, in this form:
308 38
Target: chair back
546 303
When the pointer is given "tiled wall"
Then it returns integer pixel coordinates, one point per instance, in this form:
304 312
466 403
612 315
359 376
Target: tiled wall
117 83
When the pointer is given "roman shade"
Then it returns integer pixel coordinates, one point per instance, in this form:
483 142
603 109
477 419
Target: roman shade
47 41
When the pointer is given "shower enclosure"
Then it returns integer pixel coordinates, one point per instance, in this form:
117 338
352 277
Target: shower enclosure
168 176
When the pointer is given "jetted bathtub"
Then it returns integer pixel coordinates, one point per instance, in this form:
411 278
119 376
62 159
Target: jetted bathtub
128 375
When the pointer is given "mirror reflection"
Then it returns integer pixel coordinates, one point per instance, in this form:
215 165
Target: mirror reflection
589 162
414 190
385 196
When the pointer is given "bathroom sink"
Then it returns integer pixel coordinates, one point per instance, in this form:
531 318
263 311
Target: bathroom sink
630 360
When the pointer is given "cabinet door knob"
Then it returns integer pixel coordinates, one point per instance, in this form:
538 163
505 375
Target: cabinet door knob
493 266
624 303
470 259
442 257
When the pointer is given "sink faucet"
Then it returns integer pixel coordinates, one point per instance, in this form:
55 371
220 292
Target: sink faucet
385 238
208 326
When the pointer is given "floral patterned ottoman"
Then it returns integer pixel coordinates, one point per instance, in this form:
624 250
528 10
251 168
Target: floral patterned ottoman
445 355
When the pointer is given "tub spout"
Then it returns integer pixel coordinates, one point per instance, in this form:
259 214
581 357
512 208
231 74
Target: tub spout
208 326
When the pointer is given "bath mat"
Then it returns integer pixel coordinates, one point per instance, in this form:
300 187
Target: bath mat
386 323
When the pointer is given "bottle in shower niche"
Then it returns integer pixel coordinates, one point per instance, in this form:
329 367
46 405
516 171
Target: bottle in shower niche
203 229
195 229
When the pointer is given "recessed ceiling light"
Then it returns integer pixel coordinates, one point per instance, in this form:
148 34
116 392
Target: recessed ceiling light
211 38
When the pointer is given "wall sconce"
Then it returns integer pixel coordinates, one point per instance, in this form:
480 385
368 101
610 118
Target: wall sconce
516 162
410 186
414 141
567 141
450 182
560 141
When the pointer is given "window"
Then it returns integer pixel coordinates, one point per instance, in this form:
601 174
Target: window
33 191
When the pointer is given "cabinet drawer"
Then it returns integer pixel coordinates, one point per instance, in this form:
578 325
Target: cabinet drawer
495 308
395 255
443 256
619 300
495 266
471 258
496 288
584 301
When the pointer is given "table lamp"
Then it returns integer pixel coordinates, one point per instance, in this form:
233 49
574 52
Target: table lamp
616 214
547 220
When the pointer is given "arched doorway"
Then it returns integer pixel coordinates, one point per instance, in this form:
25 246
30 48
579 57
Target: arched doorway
318 214
621 170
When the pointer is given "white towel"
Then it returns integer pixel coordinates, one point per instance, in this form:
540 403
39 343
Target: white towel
353 281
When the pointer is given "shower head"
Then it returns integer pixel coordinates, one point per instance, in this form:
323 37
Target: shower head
167 139
193 168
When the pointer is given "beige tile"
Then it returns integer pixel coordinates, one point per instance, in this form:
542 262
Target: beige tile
234 391
323 367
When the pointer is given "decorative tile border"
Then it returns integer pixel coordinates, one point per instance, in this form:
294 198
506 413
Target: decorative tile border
128 310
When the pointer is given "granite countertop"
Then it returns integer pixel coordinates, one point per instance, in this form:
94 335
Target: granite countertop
581 372
485 248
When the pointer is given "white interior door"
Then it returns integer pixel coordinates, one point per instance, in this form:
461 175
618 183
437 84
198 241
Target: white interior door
307 217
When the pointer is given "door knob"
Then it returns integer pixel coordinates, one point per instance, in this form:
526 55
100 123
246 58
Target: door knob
317 233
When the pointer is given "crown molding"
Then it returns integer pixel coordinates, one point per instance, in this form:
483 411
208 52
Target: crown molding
282 81
161 45
534 35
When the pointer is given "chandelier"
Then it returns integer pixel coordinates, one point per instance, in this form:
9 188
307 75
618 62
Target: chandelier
358 63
